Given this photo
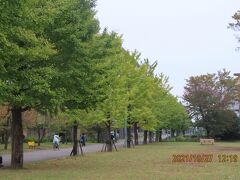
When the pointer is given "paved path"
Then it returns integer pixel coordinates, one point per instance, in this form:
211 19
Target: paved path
40 155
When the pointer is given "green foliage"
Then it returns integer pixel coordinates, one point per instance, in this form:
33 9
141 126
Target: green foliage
226 124
73 32
47 139
53 58
46 57
187 139
182 139
26 69
209 95
30 138
236 25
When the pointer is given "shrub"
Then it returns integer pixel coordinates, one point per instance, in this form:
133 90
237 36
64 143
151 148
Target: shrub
180 139
47 139
29 138
187 138
169 140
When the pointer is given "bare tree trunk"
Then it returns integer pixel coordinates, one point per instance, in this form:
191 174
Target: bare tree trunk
75 141
145 137
135 129
17 138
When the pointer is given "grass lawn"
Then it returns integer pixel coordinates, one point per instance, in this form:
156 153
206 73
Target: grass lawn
143 162
47 145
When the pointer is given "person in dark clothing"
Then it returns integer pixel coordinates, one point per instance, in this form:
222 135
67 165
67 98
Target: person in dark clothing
83 139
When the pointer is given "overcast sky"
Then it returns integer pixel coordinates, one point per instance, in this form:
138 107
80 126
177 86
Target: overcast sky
186 37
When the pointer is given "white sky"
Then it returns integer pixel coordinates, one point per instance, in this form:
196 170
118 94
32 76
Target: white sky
186 37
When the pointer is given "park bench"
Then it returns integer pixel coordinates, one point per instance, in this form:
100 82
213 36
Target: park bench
206 141
31 144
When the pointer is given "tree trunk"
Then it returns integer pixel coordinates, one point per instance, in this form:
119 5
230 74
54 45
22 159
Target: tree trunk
17 138
6 137
2 138
135 129
98 135
183 132
157 136
160 136
109 139
75 141
128 136
178 133
7 133
208 132
40 138
39 135
145 137
150 136
43 134
172 133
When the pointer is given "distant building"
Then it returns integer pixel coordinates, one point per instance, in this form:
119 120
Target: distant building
238 78
195 131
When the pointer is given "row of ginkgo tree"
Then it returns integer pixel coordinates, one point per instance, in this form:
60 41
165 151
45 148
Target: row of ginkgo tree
54 58
133 97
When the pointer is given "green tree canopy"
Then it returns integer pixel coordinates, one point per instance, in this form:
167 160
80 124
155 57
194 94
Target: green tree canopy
236 25
45 58
207 94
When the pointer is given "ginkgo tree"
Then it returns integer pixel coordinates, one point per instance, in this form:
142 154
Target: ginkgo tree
111 111
26 67
45 59
142 111
74 32
53 58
